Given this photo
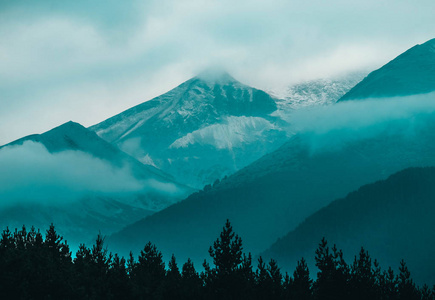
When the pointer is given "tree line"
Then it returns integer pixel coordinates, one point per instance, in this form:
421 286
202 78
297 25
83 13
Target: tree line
34 267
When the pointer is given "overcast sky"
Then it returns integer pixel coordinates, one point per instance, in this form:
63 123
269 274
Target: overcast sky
88 60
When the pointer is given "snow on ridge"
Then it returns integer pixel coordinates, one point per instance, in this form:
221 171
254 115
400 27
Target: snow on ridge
233 132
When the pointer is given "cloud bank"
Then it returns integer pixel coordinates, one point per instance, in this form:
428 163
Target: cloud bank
30 174
88 60
331 127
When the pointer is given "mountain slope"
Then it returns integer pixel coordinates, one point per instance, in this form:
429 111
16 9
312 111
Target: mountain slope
324 91
73 136
208 127
274 194
83 184
412 72
392 219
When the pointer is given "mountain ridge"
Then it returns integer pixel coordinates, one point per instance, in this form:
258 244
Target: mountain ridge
410 73
390 218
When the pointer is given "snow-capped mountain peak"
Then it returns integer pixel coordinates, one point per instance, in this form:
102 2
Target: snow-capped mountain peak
199 130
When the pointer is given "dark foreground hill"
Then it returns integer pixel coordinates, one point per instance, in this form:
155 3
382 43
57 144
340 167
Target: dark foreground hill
392 218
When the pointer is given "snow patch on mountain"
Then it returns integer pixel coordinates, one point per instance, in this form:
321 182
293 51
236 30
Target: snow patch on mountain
323 91
233 132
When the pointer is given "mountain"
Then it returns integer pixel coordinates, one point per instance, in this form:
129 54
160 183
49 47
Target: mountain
206 128
79 182
392 219
323 91
274 194
412 72
73 136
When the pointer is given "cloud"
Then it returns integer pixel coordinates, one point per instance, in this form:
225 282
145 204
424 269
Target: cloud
30 174
331 127
99 57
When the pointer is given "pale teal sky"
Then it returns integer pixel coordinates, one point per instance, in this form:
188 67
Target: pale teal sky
88 60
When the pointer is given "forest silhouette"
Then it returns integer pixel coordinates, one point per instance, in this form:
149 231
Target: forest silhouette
36 267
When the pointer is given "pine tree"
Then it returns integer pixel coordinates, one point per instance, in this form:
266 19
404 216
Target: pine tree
426 293
172 289
263 280
191 283
405 286
275 276
332 278
247 276
300 286
224 280
148 274
362 281
117 279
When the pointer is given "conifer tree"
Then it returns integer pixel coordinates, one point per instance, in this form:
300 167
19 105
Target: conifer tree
172 289
389 286
332 278
362 282
300 286
263 280
224 281
117 279
148 274
276 290
405 286
191 283
426 293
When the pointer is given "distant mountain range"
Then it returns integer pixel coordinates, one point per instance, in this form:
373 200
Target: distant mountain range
392 219
271 196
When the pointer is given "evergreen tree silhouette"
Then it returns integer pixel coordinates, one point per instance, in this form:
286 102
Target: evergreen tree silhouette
405 286
247 277
191 283
276 288
117 279
32 267
263 280
148 274
332 278
224 280
363 280
300 286
172 288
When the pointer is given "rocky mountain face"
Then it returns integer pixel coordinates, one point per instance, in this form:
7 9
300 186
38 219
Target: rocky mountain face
208 127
